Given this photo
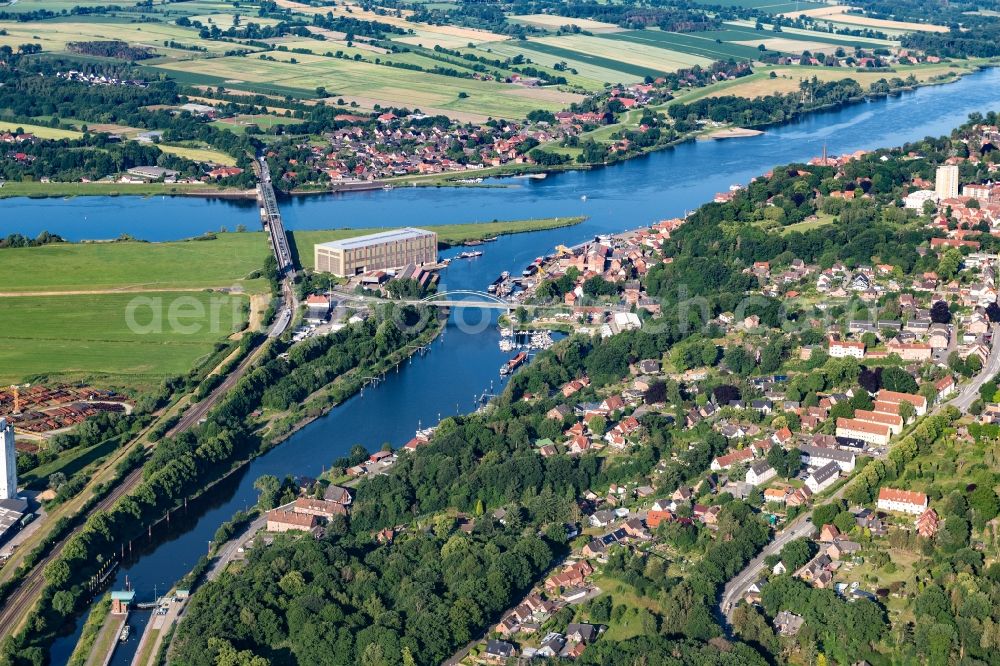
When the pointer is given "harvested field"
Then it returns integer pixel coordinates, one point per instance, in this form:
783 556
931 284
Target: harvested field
786 45
647 57
702 45
447 36
554 22
839 14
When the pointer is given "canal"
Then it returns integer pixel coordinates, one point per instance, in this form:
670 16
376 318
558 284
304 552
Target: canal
463 363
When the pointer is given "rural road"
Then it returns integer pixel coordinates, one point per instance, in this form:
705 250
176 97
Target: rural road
228 551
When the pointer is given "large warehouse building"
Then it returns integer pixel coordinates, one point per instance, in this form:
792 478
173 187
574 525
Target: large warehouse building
386 249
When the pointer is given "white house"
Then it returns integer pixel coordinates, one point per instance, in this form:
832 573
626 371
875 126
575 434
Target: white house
844 348
903 501
760 473
823 478
873 433
916 200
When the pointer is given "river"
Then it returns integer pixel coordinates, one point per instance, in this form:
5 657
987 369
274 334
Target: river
462 363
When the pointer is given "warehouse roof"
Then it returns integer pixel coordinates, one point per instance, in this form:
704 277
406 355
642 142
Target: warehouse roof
405 233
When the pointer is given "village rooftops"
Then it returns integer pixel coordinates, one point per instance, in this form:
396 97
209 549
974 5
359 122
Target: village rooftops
406 233
902 496
863 426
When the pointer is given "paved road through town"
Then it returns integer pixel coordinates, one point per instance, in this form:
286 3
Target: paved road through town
802 526
970 392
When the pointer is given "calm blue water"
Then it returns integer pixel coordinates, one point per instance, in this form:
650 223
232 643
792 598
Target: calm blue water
462 364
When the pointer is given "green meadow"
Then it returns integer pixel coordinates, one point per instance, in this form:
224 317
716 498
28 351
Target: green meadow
113 339
227 260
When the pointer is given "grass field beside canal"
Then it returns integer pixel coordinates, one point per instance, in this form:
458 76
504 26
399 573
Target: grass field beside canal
58 324
37 190
113 339
226 261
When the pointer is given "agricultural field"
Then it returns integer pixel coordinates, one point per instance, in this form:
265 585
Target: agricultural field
693 44
638 59
814 36
597 59
239 124
116 339
54 34
769 6
429 36
591 74
23 6
197 154
225 21
41 131
554 22
793 40
839 14
226 261
370 84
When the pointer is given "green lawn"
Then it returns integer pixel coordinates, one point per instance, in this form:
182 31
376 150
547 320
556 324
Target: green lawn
113 339
194 264
35 189
821 220
622 593
449 234
69 463
199 154
41 131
